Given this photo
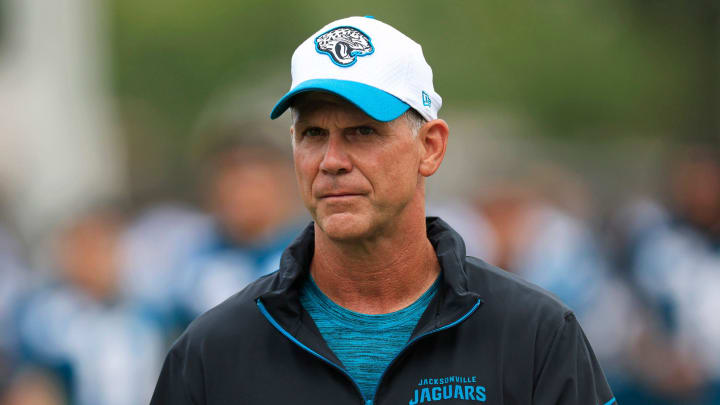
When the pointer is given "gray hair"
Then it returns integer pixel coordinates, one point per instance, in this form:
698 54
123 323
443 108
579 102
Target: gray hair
415 120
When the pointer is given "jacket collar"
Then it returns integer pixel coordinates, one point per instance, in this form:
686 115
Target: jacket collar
452 300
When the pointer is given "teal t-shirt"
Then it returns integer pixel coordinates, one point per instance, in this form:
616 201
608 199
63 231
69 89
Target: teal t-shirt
365 344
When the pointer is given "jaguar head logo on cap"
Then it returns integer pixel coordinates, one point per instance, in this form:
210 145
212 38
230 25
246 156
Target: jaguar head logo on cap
344 45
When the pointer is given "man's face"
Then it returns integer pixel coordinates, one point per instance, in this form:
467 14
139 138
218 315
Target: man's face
356 175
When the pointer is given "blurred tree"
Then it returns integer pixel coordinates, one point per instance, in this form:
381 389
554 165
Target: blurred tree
573 68
693 24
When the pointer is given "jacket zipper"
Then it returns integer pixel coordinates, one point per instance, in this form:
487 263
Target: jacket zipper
282 330
416 338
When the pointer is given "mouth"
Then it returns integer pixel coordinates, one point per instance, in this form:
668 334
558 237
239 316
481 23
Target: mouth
339 196
342 195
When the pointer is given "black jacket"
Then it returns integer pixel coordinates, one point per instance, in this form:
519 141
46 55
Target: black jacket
487 336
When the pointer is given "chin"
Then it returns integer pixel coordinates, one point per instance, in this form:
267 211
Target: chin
344 226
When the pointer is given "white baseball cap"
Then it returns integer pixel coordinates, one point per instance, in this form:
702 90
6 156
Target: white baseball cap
369 63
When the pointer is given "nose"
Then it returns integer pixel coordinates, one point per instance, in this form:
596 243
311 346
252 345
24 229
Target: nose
336 159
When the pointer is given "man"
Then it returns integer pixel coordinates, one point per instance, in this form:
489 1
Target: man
374 303
675 264
77 329
249 189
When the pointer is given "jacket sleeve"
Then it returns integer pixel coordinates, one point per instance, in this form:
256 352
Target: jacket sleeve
570 373
181 379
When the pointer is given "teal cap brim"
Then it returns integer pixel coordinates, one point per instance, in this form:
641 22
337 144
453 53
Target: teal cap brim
376 103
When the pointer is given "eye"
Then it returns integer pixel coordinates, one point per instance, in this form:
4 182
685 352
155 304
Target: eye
313 131
364 131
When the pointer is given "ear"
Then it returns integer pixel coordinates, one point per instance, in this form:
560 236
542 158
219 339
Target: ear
433 137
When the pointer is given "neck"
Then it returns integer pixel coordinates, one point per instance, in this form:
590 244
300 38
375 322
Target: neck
376 276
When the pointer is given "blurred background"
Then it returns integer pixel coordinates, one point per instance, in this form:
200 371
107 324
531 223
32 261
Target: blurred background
142 182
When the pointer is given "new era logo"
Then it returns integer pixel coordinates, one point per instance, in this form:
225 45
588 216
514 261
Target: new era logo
426 99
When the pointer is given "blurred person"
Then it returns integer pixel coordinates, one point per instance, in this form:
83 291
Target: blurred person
675 265
630 226
248 189
13 276
375 303
33 387
462 216
155 244
546 240
103 349
540 240
13 281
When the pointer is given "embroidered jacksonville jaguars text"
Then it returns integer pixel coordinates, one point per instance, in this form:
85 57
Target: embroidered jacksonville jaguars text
343 45
454 387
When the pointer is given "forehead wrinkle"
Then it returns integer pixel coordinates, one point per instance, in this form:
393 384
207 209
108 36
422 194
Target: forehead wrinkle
309 103
331 115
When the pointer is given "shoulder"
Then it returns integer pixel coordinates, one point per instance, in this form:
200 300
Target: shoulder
235 317
520 315
511 300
